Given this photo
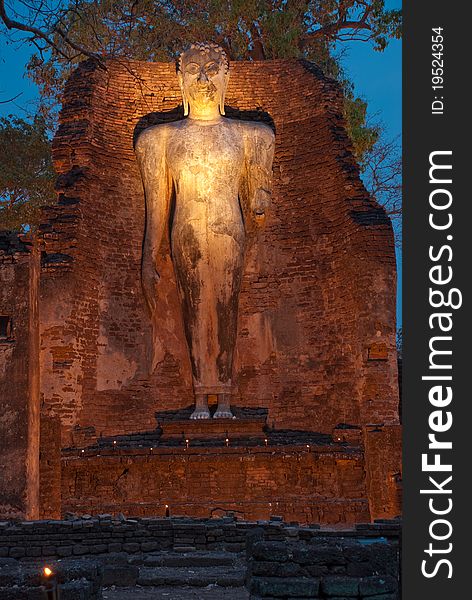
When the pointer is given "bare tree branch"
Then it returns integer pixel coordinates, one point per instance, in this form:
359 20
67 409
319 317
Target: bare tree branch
382 174
11 99
344 21
333 28
47 36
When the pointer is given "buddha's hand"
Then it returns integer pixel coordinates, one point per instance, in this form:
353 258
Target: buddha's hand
261 202
150 280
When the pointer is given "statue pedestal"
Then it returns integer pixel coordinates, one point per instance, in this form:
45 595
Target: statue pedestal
322 483
215 429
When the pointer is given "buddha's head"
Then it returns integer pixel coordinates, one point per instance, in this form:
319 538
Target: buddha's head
203 73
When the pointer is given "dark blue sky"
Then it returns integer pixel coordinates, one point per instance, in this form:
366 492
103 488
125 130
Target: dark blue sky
13 59
378 79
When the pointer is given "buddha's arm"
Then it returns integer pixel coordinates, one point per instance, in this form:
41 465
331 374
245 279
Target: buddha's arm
150 152
259 144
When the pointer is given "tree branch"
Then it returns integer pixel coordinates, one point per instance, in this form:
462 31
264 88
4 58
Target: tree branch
332 29
10 99
46 36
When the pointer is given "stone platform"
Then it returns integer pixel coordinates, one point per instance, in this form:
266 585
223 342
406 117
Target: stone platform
213 429
204 468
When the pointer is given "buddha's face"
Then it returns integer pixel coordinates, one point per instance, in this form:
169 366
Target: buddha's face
203 80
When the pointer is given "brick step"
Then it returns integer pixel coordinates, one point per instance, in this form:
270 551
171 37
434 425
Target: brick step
196 577
175 593
197 569
190 559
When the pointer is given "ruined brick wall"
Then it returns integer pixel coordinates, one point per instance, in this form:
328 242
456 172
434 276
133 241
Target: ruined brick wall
316 343
19 378
325 568
103 535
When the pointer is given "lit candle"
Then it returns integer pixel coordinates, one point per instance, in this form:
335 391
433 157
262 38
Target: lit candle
50 584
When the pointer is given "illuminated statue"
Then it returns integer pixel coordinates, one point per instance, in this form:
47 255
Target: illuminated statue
220 171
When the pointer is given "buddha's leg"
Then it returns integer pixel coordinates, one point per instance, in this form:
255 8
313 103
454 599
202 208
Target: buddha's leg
209 269
226 262
190 251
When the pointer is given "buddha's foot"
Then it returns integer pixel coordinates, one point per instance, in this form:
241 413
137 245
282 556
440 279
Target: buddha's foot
201 407
223 414
223 410
200 413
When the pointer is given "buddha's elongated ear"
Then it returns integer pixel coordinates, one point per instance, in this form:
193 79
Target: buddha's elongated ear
223 95
184 97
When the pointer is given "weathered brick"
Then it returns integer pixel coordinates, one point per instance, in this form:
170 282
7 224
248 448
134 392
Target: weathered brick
371 586
340 586
289 587
275 569
17 552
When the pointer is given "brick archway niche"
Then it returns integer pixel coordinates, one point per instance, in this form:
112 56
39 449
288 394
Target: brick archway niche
316 357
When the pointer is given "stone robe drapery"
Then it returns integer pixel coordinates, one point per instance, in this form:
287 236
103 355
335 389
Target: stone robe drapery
220 172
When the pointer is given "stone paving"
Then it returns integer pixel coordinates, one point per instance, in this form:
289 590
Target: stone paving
180 593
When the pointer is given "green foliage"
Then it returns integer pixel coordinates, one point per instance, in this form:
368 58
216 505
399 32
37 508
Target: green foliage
362 135
26 172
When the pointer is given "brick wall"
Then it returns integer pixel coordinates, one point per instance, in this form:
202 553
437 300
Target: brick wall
50 498
76 579
383 457
19 378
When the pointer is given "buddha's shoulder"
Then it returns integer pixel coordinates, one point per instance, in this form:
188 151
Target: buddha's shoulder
156 134
257 129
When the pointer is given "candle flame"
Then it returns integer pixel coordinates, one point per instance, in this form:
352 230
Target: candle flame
47 571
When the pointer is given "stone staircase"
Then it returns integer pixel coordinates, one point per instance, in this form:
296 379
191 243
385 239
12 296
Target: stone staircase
192 574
